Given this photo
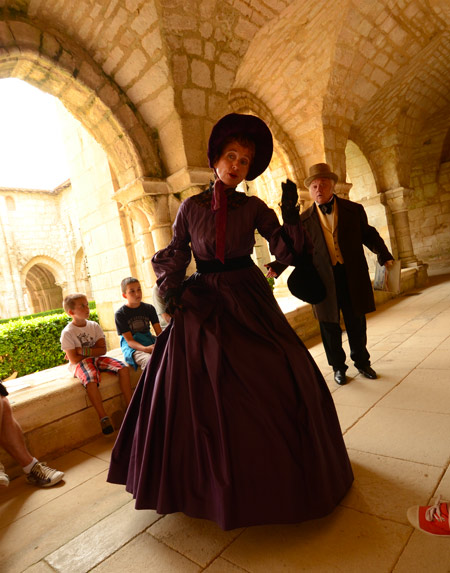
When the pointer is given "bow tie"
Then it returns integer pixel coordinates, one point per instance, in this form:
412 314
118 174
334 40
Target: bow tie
326 208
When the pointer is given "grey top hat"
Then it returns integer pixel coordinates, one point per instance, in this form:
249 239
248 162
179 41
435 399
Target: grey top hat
320 171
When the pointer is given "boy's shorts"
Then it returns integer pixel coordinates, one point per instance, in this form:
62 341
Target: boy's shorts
88 370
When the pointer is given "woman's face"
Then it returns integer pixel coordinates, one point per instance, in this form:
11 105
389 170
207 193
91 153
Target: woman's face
233 165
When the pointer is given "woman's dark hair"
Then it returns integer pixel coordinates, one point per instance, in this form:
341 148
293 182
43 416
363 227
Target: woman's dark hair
242 140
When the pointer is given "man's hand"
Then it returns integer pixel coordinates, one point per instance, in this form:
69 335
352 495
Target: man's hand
274 269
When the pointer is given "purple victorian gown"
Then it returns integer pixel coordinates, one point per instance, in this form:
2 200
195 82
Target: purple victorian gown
232 420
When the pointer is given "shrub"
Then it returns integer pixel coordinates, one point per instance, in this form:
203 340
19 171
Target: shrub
31 345
45 313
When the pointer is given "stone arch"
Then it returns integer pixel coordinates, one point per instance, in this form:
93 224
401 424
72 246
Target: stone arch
359 173
82 276
242 101
54 64
43 280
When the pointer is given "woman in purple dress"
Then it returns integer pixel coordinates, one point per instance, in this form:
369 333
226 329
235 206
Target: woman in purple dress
232 420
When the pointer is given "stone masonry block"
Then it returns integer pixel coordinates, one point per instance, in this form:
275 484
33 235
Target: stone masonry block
151 82
223 79
131 68
201 74
146 17
25 35
193 46
113 60
194 101
152 43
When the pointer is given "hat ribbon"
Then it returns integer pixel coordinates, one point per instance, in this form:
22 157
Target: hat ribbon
219 206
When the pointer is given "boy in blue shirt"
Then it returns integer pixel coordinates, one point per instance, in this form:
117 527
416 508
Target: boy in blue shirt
133 321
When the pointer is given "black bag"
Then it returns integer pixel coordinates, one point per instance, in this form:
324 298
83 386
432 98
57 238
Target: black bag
304 282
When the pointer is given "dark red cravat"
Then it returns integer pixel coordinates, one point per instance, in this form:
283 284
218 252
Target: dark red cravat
219 207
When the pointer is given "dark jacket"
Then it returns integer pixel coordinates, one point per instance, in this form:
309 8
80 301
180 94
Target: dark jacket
354 231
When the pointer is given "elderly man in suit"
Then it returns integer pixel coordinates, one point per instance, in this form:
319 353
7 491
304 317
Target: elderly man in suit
339 228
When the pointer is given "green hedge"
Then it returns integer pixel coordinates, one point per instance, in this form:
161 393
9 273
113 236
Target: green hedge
45 313
31 345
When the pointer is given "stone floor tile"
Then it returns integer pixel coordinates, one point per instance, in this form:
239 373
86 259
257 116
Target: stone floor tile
347 540
41 567
412 356
445 344
145 553
30 538
222 566
183 533
423 341
100 448
386 487
21 498
402 434
443 488
98 542
364 393
437 360
421 390
425 553
349 415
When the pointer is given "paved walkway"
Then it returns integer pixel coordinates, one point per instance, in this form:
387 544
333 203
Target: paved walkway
397 431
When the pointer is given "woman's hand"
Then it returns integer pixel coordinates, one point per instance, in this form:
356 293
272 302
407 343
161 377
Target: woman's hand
289 198
172 304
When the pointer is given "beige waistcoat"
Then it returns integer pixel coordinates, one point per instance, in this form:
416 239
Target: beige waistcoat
329 226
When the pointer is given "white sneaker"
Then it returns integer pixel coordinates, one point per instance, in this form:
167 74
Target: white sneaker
4 479
43 476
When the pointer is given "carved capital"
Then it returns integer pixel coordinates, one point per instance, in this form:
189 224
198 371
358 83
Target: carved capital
188 178
397 199
343 189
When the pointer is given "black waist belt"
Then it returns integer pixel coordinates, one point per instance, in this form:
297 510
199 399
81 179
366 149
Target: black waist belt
229 265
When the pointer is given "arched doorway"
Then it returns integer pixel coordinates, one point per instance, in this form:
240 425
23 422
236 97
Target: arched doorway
42 290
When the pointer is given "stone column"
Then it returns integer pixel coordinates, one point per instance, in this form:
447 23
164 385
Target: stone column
397 200
152 203
343 189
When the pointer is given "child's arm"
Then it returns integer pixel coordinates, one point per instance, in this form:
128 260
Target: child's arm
99 349
157 328
137 345
73 356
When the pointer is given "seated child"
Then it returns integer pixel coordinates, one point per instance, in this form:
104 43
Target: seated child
84 342
133 325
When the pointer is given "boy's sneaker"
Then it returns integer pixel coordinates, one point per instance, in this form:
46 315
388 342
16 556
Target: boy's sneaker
106 425
43 476
431 519
4 479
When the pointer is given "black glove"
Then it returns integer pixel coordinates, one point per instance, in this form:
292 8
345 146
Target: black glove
289 208
172 300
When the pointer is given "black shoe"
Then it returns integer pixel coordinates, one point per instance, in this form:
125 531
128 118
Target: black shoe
368 372
340 377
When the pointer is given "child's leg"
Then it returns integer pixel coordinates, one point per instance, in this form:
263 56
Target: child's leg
86 371
108 364
125 384
96 399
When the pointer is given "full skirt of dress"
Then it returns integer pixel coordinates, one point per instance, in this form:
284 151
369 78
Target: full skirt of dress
232 420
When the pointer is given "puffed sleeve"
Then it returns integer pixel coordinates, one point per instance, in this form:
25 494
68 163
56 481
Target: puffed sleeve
279 236
170 264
